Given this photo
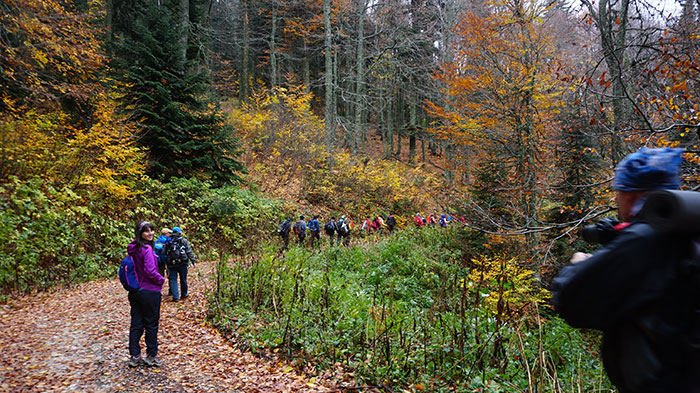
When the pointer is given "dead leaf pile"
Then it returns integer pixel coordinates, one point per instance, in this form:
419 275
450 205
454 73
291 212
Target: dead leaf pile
76 340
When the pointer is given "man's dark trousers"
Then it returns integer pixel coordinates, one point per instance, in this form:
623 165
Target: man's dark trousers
173 272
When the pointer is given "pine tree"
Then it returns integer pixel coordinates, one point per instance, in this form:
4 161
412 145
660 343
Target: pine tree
180 125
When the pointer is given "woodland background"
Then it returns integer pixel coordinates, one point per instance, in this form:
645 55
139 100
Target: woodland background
223 116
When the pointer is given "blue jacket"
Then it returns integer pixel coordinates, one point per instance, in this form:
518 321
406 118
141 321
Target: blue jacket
313 225
162 240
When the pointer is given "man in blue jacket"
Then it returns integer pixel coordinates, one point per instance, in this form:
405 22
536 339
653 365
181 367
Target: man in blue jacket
164 239
635 289
315 229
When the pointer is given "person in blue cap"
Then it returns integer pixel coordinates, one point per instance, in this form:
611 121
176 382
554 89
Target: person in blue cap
634 290
178 266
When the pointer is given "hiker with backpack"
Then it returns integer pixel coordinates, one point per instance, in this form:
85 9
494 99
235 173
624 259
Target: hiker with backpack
283 230
342 228
314 229
640 288
366 226
378 223
329 228
391 223
179 257
145 299
443 221
300 230
418 220
164 238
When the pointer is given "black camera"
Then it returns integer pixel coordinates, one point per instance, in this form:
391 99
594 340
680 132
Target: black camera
603 232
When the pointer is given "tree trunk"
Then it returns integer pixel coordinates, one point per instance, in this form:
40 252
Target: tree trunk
412 130
306 68
273 54
244 87
360 81
398 123
390 121
612 25
184 10
330 102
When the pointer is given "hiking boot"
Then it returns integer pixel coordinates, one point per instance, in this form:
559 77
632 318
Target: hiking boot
152 361
135 361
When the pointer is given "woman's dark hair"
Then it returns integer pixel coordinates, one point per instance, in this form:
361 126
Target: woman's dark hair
140 227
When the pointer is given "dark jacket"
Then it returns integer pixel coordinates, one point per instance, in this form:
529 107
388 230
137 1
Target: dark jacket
146 266
285 227
179 239
637 291
329 227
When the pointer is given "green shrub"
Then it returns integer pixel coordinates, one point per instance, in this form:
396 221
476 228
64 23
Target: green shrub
399 313
54 236
47 236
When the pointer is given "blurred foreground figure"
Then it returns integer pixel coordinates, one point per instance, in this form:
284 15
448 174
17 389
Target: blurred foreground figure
639 289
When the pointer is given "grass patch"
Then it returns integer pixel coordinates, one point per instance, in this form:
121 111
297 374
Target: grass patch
409 311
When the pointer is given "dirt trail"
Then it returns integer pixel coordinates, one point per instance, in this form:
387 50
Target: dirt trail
75 340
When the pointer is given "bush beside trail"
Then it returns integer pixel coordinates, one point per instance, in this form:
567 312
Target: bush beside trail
55 235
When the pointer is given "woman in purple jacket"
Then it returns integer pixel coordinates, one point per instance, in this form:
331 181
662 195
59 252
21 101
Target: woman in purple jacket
145 303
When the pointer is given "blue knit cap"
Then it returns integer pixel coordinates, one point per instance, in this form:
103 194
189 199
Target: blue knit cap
177 229
649 169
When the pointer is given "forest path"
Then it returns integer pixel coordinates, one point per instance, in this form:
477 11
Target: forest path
76 340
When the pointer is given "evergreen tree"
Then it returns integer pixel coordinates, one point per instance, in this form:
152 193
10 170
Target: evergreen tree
580 168
180 125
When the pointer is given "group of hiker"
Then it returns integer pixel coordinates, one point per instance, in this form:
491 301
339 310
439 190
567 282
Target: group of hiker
337 230
443 221
143 274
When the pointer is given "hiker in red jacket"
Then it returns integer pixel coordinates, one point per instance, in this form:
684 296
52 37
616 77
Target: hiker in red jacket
418 220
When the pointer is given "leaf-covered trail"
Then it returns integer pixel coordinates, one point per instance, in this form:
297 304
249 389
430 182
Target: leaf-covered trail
75 340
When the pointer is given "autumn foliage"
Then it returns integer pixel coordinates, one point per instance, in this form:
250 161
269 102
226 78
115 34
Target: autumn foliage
286 154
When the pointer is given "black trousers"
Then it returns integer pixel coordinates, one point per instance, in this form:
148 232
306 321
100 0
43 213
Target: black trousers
145 315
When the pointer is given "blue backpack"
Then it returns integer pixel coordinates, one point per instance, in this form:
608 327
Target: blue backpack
127 275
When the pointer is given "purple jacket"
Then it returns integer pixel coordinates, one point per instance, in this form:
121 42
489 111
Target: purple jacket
146 267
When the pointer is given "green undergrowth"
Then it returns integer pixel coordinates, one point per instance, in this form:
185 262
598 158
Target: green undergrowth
55 235
408 312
